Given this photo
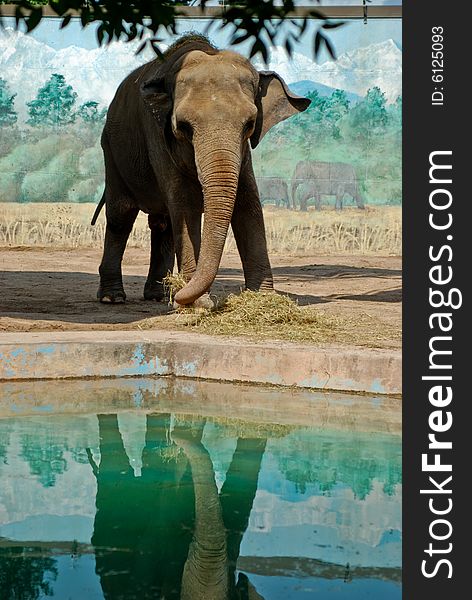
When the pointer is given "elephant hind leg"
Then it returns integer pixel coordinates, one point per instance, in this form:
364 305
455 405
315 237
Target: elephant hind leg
119 225
121 213
162 256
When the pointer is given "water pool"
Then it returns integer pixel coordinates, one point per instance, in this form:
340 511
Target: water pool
141 489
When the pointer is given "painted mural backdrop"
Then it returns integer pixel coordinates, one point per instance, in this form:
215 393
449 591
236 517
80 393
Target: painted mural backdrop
55 88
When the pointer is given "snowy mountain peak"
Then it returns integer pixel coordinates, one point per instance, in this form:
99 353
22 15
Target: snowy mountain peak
378 64
26 64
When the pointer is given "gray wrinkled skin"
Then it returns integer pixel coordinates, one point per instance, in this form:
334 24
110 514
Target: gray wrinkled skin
176 144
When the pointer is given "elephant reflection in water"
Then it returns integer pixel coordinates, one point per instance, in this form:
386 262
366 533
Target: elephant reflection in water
169 534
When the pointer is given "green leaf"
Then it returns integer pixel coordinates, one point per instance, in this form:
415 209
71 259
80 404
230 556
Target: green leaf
19 16
155 46
288 47
317 43
330 48
303 26
132 33
33 20
100 35
141 47
238 39
330 25
259 47
65 21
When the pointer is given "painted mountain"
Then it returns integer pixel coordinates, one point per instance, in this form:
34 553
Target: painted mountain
302 88
355 71
26 64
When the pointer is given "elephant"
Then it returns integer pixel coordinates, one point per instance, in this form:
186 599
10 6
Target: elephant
169 533
176 145
314 179
273 189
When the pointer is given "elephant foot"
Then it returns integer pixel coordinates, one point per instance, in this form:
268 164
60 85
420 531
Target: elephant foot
265 286
111 295
204 302
155 291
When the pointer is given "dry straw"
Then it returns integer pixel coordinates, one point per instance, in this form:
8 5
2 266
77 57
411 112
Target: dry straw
173 282
259 314
376 230
270 315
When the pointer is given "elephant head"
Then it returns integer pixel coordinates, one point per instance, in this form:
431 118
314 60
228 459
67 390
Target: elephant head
211 104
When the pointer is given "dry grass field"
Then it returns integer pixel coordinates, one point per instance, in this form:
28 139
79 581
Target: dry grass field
373 231
339 274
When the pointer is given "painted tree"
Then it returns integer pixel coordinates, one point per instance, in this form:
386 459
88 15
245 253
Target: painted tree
395 113
302 128
26 573
54 103
334 109
314 112
8 114
90 113
45 459
369 118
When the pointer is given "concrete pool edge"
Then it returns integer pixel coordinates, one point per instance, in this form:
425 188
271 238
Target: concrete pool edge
76 354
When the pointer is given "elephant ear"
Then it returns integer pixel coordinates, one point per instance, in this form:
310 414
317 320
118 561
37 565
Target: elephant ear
156 98
275 102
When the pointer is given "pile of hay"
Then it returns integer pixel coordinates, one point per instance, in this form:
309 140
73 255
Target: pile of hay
268 315
173 282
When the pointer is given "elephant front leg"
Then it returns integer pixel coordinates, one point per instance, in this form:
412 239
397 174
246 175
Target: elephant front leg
186 226
162 256
111 289
358 199
304 203
249 232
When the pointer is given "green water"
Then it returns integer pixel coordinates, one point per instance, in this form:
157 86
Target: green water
136 504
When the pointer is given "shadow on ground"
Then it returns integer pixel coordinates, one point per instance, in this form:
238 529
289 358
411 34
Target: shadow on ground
64 296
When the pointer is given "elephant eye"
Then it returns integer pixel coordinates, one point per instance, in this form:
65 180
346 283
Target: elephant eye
185 128
249 127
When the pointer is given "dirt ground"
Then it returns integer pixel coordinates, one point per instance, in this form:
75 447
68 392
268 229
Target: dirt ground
55 289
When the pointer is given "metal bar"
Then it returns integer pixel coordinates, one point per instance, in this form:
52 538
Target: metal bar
194 12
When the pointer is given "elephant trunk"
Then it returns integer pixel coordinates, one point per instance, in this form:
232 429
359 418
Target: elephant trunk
218 171
205 575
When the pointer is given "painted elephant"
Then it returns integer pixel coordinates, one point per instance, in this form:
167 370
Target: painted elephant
176 145
314 179
273 189
169 533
